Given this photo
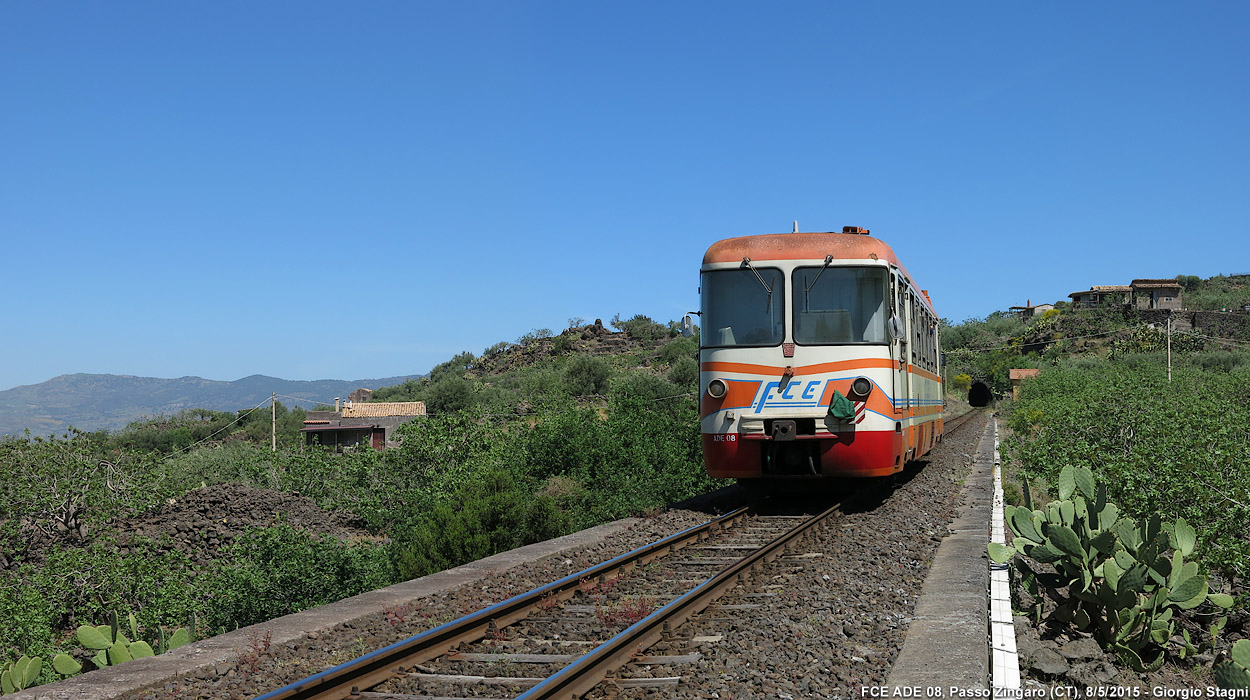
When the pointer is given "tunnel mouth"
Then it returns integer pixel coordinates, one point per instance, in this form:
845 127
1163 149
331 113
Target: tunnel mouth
979 394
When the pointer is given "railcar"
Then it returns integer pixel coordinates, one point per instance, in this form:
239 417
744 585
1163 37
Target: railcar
819 358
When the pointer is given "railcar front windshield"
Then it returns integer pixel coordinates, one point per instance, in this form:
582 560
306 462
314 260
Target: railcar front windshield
839 305
741 309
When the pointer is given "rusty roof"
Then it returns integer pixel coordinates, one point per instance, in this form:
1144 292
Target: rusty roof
1103 289
1156 284
807 246
381 409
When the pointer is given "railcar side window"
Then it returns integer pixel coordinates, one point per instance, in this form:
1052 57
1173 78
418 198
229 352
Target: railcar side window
740 310
835 305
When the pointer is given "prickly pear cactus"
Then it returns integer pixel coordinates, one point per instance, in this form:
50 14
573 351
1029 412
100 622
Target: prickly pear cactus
1123 579
21 674
1235 674
65 665
112 647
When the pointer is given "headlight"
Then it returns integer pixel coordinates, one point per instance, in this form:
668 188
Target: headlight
861 388
717 389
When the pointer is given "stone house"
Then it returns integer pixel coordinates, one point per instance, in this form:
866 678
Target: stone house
1029 311
1114 295
1156 294
356 423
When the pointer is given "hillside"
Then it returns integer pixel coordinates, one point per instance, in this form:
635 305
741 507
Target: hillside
581 365
108 401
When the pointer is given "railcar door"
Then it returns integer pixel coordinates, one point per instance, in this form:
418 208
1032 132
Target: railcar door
899 351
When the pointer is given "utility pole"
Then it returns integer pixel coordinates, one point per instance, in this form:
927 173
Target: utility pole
1169 347
273 426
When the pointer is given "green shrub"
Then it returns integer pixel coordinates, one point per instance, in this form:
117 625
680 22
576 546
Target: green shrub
492 513
279 570
678 348
533 336
586 374
641 327
1221 360
75 585
684 372
644 455
563 343
1178 449
496 349
449 394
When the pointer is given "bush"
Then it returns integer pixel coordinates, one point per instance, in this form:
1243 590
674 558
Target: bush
666 398
679 348
79 585
563 343
533 336
496 349
586 374
280 570
641 327
961 383
450 394
492 513
1178 449
644 455
1221 360
684 372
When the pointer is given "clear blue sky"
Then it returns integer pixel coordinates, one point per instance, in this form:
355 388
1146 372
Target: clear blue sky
350 190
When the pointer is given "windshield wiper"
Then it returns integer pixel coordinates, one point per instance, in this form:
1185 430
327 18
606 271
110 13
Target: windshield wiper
808 287
768 307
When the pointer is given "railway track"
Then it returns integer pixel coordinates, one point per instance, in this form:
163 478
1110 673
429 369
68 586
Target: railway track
563 639
551 612
954 423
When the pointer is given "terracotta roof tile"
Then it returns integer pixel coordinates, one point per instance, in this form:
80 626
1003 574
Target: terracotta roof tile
379 409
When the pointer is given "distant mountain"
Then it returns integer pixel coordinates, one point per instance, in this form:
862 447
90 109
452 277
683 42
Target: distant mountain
96 401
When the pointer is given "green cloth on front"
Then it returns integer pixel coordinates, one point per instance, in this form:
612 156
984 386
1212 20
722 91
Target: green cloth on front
841 407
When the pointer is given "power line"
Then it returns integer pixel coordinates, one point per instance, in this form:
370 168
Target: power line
220 430
312 401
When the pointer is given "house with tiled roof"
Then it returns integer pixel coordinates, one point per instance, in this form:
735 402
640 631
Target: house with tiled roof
355 423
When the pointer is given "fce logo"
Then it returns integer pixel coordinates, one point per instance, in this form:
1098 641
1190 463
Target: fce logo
795 394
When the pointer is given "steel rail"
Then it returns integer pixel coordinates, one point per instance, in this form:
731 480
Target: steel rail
958 421
589 670
383 664
579 677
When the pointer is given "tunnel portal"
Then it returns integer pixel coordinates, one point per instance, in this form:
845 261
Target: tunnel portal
979 394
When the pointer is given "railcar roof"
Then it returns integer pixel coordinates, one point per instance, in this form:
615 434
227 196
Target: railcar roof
806 246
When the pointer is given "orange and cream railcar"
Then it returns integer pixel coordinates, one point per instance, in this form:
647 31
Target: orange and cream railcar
790 319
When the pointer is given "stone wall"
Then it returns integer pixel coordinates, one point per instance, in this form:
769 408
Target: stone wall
1219 324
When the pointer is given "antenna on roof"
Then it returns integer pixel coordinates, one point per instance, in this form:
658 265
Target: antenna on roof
796 227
